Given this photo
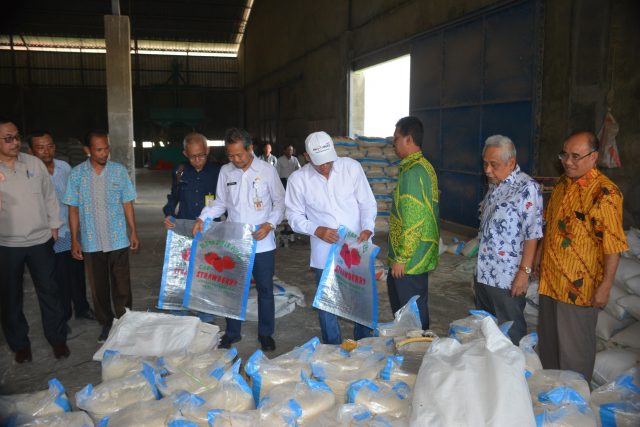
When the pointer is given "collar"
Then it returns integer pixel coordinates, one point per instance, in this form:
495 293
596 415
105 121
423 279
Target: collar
587 178
512 176
410 159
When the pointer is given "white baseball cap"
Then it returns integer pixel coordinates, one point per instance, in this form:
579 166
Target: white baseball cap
319 146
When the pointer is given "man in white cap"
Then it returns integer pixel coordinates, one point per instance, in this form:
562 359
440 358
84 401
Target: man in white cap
327 192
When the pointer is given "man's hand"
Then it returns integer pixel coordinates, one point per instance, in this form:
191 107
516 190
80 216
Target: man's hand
76 250
168 224
54 234
135 243
364 235
197 227
520 284
262 231
397 270
329 235
601 296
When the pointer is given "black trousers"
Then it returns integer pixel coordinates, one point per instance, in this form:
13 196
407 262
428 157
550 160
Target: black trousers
73 288
41 263
501 304
401 290
108 275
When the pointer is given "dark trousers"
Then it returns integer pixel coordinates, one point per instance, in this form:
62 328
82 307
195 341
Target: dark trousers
40 260
263 270
567 336
329 326
284 182
501 304
108 276
71 280
401 290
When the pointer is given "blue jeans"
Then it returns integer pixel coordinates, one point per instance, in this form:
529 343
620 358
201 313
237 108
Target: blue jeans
263 269
401 290
329 323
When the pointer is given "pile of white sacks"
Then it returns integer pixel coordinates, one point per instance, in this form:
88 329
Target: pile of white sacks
380 164
474 377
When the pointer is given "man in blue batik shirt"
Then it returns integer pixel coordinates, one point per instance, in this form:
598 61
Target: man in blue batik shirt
194 183
100 197
510 227
69 271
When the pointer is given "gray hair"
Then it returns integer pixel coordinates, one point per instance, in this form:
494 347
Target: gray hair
194 137
506 144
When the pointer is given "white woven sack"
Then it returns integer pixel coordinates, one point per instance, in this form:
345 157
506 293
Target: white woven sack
629 336
631 304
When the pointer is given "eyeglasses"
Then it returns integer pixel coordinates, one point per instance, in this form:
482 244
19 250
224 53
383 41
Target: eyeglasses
573 157
9 139
198 157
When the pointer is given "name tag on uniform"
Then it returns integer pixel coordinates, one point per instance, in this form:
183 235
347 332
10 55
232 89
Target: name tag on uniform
231 183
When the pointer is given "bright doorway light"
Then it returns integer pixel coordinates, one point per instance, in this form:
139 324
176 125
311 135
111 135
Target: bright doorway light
215 143
379 97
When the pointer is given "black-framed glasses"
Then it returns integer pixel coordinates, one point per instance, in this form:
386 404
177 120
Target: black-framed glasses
10 138
573 157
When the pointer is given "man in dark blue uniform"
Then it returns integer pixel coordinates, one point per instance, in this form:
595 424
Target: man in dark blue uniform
193 183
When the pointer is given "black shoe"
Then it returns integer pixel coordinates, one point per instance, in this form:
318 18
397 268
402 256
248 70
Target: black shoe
226 341
267 343
104 334
60 351
87 315
23 355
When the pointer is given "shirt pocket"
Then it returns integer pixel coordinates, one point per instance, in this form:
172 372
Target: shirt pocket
114 192
35 182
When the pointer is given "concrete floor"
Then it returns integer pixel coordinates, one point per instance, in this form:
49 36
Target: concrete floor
449 294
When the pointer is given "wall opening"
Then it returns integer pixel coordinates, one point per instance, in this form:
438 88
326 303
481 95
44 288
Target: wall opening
379 97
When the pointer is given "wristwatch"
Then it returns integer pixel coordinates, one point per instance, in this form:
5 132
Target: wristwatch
525 269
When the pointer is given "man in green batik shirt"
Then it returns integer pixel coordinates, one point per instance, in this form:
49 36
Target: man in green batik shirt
413 227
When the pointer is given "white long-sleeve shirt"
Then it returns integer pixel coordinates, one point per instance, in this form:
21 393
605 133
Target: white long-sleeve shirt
254 196
287 165
344 199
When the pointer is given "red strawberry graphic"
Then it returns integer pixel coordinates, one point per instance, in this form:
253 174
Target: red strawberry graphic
186 254
211 258
346 255
228 263
355 257
218 265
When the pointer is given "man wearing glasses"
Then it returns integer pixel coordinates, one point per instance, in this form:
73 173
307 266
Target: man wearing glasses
578 257
194 183
29 222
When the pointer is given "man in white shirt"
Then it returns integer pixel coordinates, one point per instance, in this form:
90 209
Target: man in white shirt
287 164
267 156
327 192
250 192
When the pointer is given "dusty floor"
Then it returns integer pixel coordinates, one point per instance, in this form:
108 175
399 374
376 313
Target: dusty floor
449 299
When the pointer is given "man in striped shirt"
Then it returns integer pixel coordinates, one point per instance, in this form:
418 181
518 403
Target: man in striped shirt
579 257
413 226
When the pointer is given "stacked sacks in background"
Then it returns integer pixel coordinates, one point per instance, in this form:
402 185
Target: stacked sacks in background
380 164
618 327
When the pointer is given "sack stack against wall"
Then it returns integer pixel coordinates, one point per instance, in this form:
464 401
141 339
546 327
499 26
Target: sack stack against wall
380 164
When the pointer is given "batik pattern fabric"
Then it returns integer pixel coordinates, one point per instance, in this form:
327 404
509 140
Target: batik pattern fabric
510 214
414 233
118 189
583 223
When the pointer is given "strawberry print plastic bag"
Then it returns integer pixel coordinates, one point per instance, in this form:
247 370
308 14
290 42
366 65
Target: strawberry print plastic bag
220 270
348 284
176 264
